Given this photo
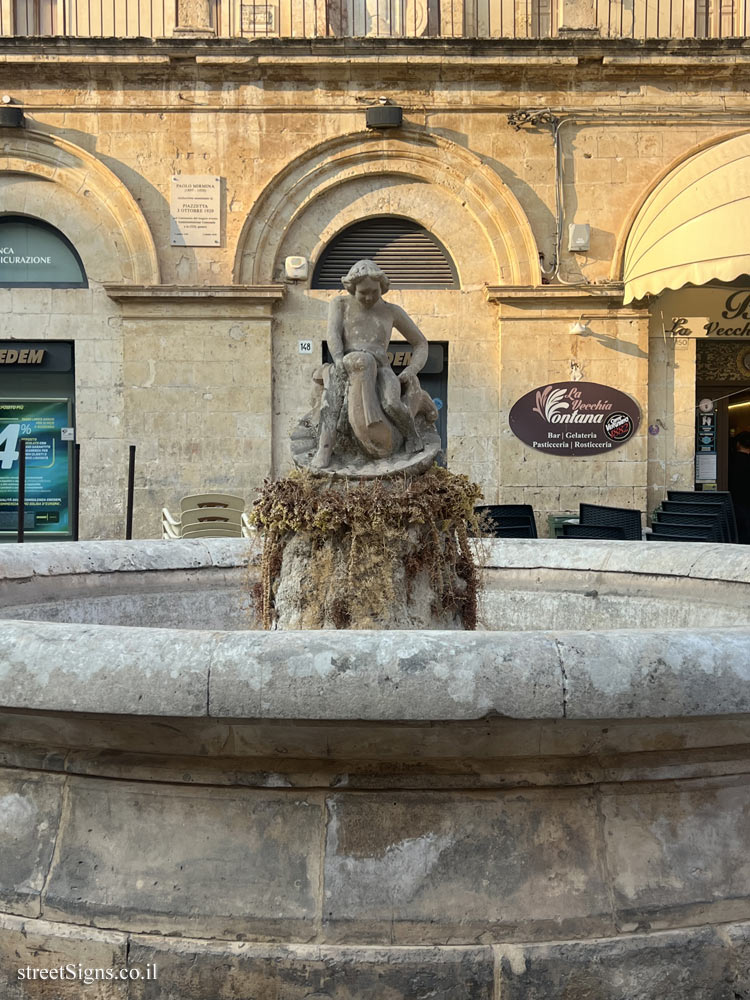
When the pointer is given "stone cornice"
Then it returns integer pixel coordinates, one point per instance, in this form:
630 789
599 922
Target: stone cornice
196 300
347 58
179 293
610 294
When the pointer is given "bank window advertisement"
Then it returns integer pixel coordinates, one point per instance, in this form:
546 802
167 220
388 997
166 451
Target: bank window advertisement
47 483
35 255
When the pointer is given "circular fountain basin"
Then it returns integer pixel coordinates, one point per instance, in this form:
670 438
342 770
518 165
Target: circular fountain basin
556 805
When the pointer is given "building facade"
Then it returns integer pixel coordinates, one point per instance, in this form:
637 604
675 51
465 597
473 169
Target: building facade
192 338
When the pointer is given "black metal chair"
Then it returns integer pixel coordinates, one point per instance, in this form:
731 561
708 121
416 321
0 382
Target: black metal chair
709 496
662 531
657 536
700 520
611 531
618 517
508 515
708 510
508 520
513 531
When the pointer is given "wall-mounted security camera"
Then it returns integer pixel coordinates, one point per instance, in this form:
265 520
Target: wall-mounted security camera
296 268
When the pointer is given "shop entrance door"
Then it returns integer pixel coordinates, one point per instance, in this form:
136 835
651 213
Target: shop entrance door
722 408
37 405
711 452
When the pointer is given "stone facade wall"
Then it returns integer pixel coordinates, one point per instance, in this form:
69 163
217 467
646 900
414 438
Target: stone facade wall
209 393
537 347
198 396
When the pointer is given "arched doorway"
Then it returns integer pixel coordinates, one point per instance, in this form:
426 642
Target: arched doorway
441 190
61 357
687 252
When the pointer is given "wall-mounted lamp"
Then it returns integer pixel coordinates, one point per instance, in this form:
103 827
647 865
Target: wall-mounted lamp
384 116
11 117
581 325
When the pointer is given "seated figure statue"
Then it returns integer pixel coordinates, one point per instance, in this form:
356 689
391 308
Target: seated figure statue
385 415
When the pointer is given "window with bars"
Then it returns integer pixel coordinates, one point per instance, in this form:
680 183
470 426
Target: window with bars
410 255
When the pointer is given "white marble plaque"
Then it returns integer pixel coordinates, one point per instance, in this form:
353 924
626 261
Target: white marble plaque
195 208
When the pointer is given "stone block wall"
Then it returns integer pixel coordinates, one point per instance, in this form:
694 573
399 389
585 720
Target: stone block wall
416 876
537 348
198 397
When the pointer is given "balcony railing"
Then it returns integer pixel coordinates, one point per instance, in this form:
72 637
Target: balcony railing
480 19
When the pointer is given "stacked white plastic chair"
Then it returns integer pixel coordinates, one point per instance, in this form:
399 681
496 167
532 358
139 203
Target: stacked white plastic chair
207 515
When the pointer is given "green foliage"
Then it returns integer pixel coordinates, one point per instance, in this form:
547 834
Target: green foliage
386 527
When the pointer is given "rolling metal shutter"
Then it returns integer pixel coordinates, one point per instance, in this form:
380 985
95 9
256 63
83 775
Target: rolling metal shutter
409 255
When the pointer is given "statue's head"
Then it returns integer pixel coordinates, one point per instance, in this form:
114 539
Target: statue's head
362 270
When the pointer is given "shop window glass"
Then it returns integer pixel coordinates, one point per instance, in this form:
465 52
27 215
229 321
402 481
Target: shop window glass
34 254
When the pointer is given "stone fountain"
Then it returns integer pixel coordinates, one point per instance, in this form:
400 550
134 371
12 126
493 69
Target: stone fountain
373 536
552 806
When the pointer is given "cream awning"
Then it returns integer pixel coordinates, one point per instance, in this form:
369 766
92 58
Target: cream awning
695 225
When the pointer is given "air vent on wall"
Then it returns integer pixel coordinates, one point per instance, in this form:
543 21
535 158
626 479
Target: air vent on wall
409 255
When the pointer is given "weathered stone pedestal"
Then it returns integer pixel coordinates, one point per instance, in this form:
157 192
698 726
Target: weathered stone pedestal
329 586
385 554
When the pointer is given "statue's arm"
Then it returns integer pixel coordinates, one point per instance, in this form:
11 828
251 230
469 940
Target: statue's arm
335 333
406 326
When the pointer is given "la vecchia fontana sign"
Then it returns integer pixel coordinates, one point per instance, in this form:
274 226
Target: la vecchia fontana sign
574 418
713 313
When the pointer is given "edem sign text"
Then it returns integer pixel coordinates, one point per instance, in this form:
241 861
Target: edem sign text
10 357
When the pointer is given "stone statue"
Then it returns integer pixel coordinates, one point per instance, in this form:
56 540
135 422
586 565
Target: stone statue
366 420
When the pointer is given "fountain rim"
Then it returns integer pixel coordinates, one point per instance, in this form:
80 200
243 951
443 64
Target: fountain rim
400 676
694 561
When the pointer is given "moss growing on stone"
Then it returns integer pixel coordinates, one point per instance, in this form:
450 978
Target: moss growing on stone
367 546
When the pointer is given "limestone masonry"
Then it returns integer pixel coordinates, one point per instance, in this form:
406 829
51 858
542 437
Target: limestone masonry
193 352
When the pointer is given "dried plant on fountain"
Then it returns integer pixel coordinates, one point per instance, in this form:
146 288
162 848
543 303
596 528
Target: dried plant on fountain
369 544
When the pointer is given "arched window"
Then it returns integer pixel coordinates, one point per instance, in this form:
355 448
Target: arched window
34 254
410 255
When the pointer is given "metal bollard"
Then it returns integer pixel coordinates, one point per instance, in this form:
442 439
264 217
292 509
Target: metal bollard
76 490
131 487
21 487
